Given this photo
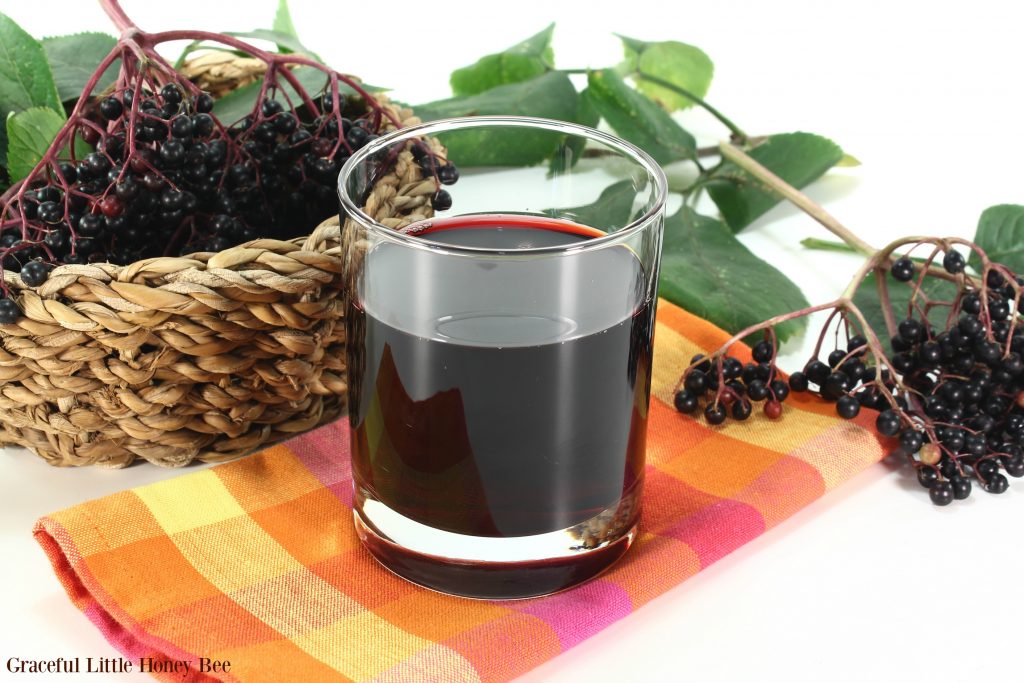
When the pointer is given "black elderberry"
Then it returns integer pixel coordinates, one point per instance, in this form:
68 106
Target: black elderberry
737 387
930 353
356 137
285 124
903 270
999 310
995 279
927 476
997 483
961 487
857 342
970 326
265 132
888 423
836 357
911 440
171 93
817 372
448 174
714 413
798 382
762 351
182 127
9 312
780 389
757 390
986 468
904 362
953 262
441 200
50 212
204 103
911 330
1014 465
696 381
975 444
172 152
847 407
941 493
34 273
685 401
68 171
836 385
741 409
987 351
700 362
111 108
732 368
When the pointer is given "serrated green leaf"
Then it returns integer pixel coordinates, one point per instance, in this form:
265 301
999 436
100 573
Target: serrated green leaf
868 301
241 102
797 158
521 62
569 153
1001 234
549 95
283 20
73 59
710 273
612 209
639 120
682 65
285 42
25 77
30 133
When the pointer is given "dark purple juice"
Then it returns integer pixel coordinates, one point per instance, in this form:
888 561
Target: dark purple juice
500 399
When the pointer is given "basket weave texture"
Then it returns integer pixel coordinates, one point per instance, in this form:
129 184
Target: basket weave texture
206 357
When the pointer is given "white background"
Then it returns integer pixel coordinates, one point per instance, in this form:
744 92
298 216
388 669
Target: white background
870 583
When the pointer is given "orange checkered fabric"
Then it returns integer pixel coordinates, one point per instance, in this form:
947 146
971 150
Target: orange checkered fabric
256 562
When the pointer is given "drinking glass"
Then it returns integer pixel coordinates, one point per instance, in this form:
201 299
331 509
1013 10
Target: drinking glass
499 353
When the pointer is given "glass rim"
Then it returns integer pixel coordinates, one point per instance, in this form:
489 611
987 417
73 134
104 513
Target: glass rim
627 149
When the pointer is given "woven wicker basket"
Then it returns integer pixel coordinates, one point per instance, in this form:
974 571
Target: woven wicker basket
206 357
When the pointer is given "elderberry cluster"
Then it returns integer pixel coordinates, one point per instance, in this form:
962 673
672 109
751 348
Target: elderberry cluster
728 388
166 177
953 399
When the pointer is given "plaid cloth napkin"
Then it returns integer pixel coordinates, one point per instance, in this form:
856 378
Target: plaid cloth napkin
256 561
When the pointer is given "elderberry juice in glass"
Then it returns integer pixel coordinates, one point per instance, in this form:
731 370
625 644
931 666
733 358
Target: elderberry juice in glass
499 360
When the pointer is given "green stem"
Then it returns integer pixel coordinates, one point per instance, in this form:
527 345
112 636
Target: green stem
733 128
802 201
827 245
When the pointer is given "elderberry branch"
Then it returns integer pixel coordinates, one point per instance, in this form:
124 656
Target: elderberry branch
805 203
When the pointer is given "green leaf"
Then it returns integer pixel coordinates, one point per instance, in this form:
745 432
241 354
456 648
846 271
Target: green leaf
1001 234
283 20
867 300
73 59
682 65
285 42
797 158
569 154
709 272
550 95
612 209
25 77
638 119
518 63
241 102
30 133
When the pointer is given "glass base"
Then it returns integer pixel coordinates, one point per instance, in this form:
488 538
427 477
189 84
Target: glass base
495 568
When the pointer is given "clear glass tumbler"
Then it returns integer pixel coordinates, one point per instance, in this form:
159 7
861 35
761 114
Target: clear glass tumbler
499 354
